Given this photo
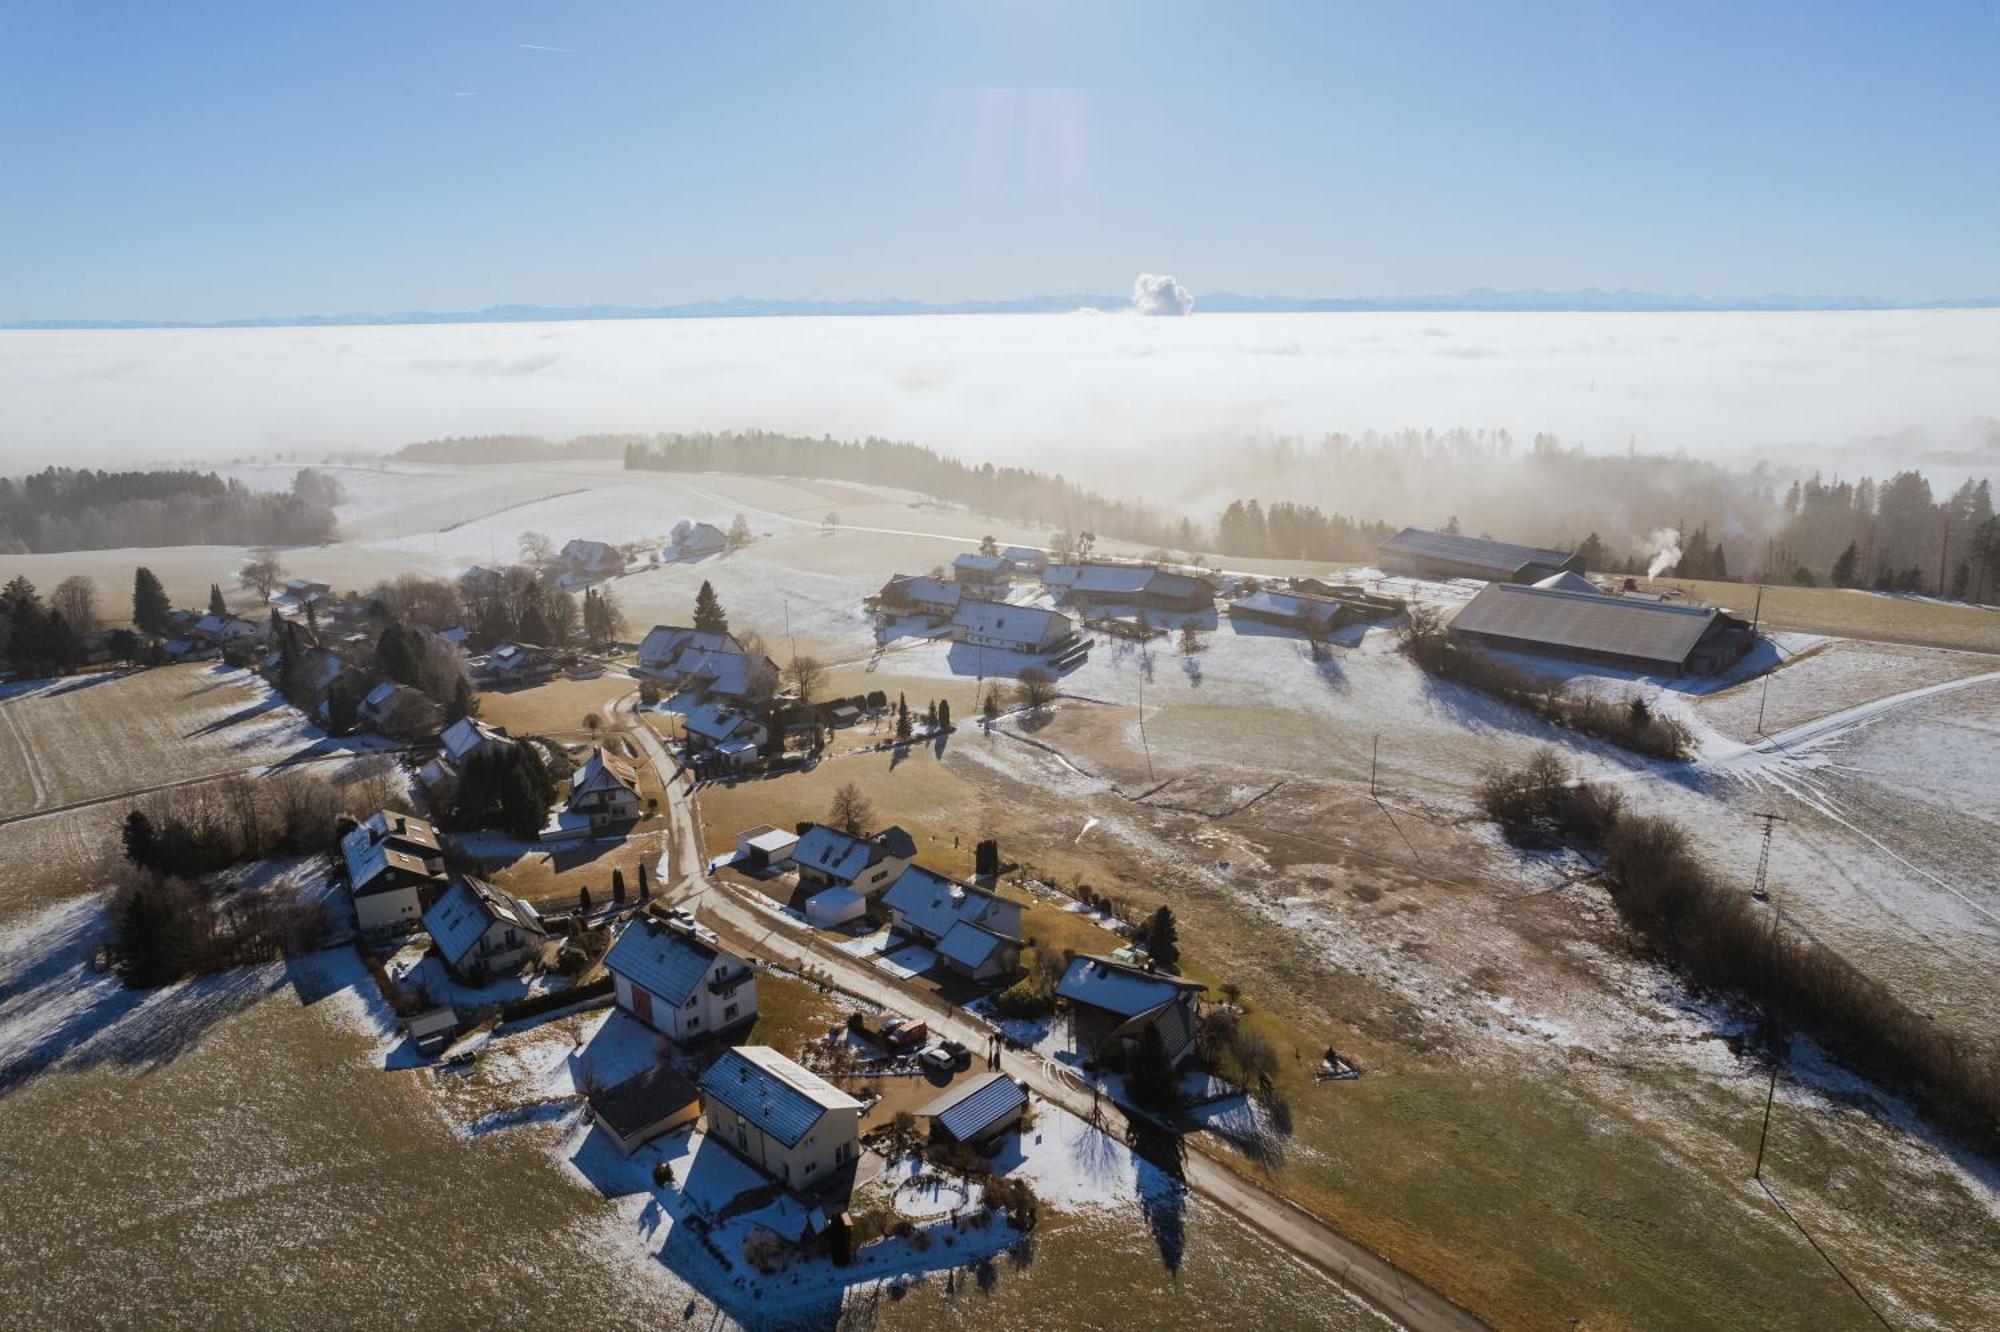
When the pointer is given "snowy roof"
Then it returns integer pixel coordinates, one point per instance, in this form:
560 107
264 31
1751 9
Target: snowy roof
772 1092
769 840
714 722
387 840
1100 578
1284 605
834 904
591 553
924 588
1586 622
468 909
976 1104
933 903
833 853
701 536
467 734
381 694
1504 558
968 944
1016 624
666 961
1570 582
1023 555
603 771
665 640
972 563
1116 988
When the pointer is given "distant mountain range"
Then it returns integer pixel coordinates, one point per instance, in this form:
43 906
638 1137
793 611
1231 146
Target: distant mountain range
1225 302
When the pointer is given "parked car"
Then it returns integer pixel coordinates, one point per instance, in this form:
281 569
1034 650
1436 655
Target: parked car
937 1059
903 1034
960 1056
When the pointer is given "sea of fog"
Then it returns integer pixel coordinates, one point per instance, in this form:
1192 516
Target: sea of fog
1085 392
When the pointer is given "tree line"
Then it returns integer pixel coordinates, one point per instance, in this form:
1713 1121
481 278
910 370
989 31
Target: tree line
62 508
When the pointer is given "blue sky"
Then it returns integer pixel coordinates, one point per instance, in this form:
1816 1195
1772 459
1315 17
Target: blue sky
208 161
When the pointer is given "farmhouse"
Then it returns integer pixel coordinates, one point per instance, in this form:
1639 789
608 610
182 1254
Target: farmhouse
591 559
222 630
692 540
392 860
1289 610
1654 637
1422 554
921 595
787 1121
674 976
996 624
865 866
977 1110
654 1101
481 931
981 575
705 663
978 933
1025 559
1107 584
1112 1003
605 790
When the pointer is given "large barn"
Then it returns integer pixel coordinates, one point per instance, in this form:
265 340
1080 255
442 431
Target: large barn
1654 637
1417 553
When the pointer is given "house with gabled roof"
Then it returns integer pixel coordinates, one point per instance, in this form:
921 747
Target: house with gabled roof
865 866
920 594
692 540
392 859
978 933
1025 559
483 931
786 1120
981 575
1035 630
1111 1004
678 979
516 663
1102 583
605 790
975 1110
224 629
468 736
592 559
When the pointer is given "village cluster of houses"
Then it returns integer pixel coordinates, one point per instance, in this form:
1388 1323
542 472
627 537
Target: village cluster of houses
584 561
721 689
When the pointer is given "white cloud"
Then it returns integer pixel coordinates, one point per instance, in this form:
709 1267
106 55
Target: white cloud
1154 294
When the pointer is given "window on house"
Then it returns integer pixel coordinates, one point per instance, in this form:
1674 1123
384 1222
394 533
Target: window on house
811 1166
693 1022
729 1012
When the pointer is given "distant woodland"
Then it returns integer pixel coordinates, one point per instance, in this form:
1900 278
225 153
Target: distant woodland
488 449
1344 494
65 508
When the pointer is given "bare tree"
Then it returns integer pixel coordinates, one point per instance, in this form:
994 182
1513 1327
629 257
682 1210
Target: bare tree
1192 642
739 533
262 573
559 612
75 599
805 674
830 522
1037 689
851 811
536 548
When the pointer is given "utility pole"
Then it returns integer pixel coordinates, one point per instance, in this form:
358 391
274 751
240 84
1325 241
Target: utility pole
1760 890
1944 559
1143 743
1764 697
1757 615
1374 759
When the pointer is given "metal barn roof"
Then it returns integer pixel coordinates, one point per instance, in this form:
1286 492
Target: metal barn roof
1586 622
1503 557
975 1105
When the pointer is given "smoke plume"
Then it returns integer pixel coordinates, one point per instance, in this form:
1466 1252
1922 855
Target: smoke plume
1160 295
1666 547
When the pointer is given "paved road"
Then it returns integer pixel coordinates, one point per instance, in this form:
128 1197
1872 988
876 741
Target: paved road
725 907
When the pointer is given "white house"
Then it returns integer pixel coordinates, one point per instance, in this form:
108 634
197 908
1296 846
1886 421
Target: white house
786 1120
691 540
224 629
995 624
865 866
978 933
674 976
392 859
516 663
482 931
605 790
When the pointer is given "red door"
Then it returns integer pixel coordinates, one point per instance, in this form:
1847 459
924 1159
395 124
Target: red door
642 1005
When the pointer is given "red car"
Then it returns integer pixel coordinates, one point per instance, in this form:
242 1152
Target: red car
902 1034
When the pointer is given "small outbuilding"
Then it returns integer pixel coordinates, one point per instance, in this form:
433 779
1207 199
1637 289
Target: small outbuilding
645 1106
765 847
977 1110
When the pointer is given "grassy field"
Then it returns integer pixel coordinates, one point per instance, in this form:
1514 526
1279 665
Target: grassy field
1851 613
1536 1133
555 709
